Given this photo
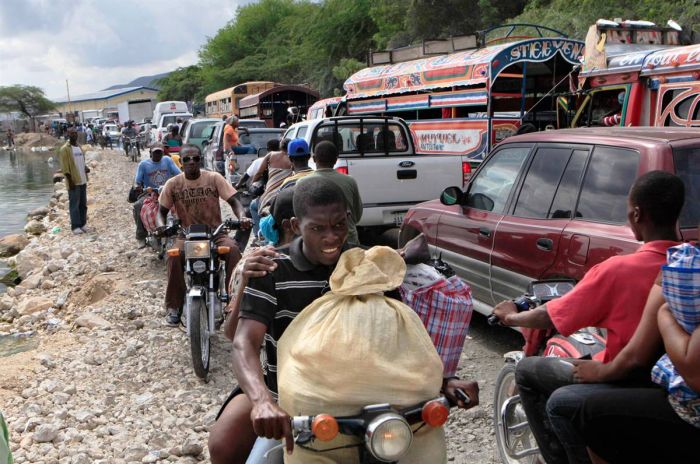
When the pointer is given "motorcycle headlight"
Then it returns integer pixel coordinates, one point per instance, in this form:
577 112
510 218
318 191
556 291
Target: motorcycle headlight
388 437
196 249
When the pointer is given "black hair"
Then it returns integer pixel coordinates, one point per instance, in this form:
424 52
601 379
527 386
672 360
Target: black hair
659 194
175 130
282 206
326 153
284 144
316 191
190 146
273 145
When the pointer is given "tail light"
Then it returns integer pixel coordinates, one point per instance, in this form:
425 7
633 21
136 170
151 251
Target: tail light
324 427
466 172
435 413
342 170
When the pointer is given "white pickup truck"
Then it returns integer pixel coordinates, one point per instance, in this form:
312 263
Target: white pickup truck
378 152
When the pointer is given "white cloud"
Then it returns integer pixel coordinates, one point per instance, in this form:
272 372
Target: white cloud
96 44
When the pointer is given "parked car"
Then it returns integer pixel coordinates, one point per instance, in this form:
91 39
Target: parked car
112 131
193 130
551 205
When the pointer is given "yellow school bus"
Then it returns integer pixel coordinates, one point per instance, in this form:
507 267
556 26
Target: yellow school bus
226 102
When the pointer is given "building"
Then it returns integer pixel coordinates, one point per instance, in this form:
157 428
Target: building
106 101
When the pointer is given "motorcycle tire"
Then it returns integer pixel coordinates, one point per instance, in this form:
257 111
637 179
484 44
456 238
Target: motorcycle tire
520 439
199 337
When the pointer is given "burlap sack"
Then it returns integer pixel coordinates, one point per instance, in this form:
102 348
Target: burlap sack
354 347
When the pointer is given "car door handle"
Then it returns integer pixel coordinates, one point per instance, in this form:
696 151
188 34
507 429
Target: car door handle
484 232
402 174
545 244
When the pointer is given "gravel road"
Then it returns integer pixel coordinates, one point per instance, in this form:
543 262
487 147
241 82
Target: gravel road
109 383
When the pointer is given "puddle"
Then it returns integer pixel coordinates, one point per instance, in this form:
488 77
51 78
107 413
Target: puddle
17 343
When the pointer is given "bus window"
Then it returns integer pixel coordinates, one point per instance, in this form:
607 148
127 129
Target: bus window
602 108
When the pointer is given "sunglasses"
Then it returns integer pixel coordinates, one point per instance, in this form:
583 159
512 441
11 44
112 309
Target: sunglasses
187 159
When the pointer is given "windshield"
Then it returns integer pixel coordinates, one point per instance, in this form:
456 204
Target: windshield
173 119
258 140
198 128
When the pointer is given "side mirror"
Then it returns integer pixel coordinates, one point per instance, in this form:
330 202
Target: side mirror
451 196
205 143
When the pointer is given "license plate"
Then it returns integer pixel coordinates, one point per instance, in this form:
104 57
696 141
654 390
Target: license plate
398 218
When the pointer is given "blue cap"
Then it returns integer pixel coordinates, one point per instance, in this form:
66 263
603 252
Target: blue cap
298 147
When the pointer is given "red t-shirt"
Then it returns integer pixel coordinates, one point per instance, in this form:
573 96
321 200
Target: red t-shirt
611 295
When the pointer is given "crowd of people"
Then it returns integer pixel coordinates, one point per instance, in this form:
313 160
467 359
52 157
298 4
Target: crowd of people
642 390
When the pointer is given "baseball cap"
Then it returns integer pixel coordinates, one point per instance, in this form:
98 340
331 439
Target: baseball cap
157 146
298 147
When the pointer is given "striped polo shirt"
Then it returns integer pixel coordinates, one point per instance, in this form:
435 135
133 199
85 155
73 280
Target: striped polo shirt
277 298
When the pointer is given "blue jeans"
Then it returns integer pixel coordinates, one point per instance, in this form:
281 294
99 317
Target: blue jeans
262 446
77 206
538 378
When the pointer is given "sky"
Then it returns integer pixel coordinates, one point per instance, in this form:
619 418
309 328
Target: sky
95 44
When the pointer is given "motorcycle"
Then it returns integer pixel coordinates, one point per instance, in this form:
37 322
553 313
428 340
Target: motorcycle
206 292
514 439
131 148
386 433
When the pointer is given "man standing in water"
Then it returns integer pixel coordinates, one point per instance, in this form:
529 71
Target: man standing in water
72 161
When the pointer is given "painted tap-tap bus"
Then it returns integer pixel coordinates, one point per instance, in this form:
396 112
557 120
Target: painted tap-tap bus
463 103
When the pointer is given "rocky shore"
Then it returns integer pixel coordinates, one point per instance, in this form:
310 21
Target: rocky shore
109 382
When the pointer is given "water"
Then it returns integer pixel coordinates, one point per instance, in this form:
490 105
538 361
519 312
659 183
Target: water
26 182
17 343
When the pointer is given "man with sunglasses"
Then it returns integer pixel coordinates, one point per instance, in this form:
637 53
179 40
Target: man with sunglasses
195 196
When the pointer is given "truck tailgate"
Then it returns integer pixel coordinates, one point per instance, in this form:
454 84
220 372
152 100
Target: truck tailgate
406 179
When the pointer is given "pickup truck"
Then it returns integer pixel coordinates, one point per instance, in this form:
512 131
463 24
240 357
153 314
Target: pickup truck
378 152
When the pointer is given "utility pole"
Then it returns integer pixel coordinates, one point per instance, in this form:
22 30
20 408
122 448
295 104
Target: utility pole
68 94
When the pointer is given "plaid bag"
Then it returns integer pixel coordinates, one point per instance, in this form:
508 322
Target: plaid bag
445 307
681 284
149 211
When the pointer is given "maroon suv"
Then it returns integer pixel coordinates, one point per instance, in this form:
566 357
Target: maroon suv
552 204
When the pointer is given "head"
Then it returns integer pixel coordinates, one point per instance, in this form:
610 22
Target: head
179 120
278 229
273 145
654 205
72 135
284 144
174 130
191 158
224 118
298 151
321 218
325 154
233 121
156 152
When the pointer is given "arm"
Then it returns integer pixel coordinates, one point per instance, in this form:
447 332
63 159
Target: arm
640 353
269 420
162 216
537 318
239 211
682 348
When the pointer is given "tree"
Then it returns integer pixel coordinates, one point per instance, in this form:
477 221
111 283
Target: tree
26 99
183 84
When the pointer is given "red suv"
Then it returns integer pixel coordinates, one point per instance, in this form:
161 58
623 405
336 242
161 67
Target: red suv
550 205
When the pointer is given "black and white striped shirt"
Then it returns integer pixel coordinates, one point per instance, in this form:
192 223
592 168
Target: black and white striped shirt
276 299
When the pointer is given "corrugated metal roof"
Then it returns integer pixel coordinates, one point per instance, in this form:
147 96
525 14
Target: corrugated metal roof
101 95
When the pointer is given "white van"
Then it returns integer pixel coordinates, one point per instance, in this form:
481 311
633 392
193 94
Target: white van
168 107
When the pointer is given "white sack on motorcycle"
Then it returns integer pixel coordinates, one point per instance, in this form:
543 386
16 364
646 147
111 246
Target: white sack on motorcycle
354 347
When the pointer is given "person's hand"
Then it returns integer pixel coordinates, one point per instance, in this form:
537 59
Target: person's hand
246 223
259 262
503 310
270 421
586 371
469 387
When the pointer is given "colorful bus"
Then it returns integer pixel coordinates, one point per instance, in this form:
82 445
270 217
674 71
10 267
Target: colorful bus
628 83
463 103
226 102
324 108
277 105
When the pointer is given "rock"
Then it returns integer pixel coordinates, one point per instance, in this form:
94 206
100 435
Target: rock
135 453
83 415
45 360
34 305
32 282
61 300
34 227
66 252
143 399
26 262
192 446
49 385
45 433
10 245
92 321
56 265
6 303
38 213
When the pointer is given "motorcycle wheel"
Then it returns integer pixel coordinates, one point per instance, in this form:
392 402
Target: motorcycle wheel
199 337
134 153
516 440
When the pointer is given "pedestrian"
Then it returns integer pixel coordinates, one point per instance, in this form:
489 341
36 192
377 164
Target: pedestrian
75 171
298 151
10 137
325 156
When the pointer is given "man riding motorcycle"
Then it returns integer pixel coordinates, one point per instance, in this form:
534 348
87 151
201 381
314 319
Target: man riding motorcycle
195 196
288 283
129 132
611 296
153 173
